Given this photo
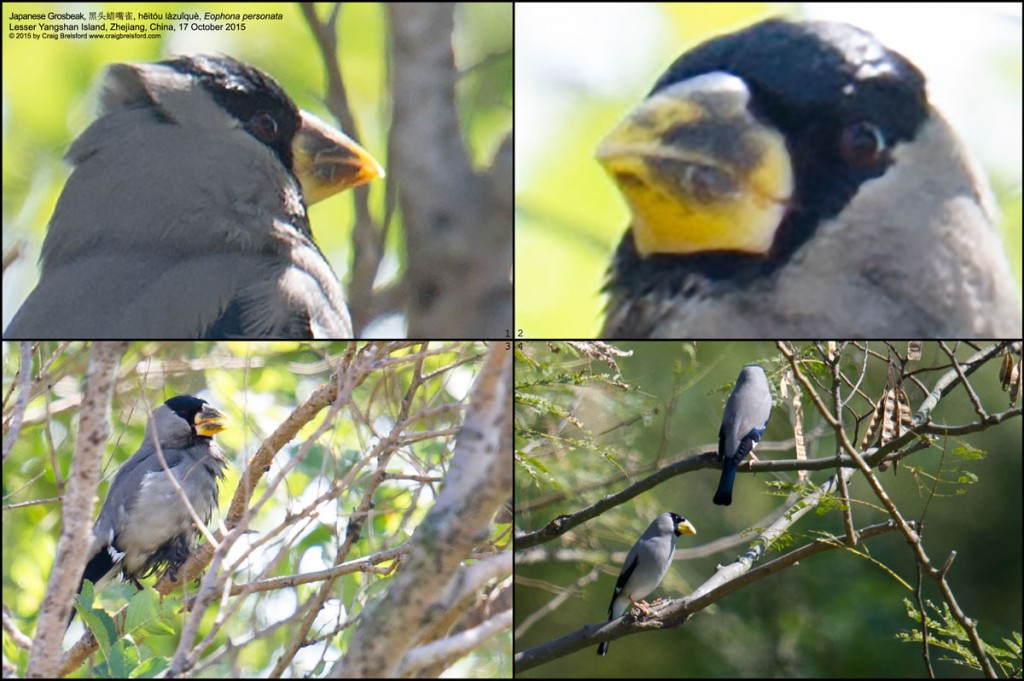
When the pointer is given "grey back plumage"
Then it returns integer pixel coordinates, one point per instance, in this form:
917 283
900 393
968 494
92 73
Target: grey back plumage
748 408
744 421
177 222
143 524
646 564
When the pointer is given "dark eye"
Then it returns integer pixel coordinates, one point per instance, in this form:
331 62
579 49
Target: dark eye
263 127
861 144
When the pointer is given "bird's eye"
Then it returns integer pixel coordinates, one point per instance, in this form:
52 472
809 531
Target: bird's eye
263 127
861 144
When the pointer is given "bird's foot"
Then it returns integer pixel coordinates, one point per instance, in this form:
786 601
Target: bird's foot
643 607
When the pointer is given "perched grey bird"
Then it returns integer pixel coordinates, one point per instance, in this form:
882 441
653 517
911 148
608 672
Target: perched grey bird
792 179
185 215
746 416
646 565
143 525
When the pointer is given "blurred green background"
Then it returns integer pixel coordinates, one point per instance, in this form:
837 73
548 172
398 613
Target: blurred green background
833 615
578 72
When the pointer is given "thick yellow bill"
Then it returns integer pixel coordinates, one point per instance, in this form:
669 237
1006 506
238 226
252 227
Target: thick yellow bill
327 161
685 527
209 422
699 172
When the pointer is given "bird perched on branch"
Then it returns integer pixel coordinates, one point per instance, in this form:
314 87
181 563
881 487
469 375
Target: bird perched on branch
792 179
185 214
646 565
145 524
746 416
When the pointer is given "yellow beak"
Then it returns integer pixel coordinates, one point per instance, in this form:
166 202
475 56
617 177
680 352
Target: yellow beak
209 422
326 161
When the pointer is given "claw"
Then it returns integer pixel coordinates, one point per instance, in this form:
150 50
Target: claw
642 606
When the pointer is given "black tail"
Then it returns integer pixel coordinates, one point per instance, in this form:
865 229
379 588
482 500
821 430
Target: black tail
723 496
97 567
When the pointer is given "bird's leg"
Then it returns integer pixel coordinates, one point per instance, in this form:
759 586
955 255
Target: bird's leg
172 572
642 606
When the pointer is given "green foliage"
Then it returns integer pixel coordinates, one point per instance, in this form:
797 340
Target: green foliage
549 381
121 656
968 452
303 521
535 470
946 633
662 407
